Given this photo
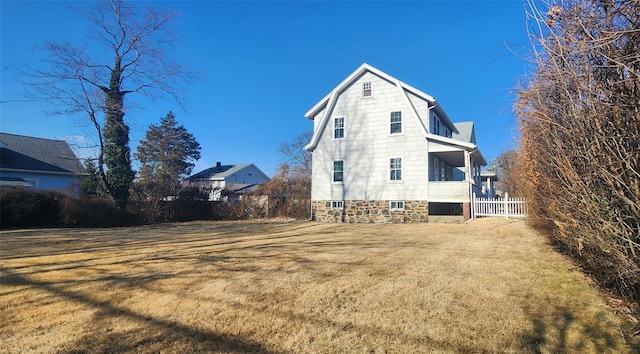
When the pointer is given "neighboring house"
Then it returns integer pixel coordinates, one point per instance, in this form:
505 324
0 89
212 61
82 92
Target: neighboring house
490 184
229 180
39 164
384 151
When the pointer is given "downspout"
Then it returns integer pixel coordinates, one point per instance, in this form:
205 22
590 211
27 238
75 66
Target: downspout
429 108
311 191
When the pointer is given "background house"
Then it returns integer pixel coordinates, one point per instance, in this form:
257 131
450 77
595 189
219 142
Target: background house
230 181
384 151
39 164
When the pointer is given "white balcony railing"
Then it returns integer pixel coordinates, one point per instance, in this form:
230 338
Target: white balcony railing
449 191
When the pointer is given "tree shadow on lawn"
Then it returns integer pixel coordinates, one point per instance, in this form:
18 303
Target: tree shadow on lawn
558 330
152 335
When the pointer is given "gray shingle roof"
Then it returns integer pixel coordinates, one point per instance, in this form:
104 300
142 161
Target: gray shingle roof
218 172
36 154
466 132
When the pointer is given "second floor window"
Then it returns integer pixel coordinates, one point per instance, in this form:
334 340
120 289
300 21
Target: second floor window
396 122
338 128
338 171
366 89
395 169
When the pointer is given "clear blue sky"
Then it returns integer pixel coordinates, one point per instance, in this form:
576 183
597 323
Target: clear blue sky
266 63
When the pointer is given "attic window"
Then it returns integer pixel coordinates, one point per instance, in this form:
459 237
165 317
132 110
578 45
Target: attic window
366 89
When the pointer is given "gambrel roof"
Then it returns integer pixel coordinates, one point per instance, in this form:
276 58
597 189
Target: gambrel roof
26 153
327 103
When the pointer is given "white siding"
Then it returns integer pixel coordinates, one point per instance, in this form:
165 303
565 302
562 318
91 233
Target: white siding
422 108
368 146
247 175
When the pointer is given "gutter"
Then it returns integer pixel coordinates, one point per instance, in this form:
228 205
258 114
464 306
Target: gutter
43 172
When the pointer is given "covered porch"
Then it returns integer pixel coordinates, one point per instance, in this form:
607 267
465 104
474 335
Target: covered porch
454 176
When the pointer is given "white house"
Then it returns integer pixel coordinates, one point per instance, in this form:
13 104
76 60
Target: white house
234 179
38 164
384 151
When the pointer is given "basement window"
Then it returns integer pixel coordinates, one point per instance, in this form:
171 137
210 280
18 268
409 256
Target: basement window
337 204
396 205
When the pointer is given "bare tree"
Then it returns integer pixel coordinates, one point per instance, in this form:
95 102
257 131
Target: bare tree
289 193
508 172
297 157
580 143
128 52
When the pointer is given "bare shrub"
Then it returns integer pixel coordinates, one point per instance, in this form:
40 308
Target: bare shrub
289 193
580 122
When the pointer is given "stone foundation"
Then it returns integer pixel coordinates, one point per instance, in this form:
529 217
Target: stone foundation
370 212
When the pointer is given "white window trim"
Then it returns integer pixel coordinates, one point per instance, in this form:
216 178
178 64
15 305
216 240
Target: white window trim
339 205
344 127
398 207
388 171
333 171
370 89
402 120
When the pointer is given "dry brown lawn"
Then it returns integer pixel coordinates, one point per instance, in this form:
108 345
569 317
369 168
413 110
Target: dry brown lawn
298 287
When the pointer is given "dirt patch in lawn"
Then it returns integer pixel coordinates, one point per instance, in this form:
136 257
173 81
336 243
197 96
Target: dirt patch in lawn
298 287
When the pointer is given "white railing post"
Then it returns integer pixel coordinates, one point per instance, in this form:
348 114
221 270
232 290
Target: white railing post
506 205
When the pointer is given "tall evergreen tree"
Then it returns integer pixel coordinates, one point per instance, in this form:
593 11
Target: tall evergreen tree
166 156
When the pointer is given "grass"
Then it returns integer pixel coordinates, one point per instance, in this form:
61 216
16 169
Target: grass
299 287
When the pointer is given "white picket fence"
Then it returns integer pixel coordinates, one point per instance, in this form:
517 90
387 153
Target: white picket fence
499 207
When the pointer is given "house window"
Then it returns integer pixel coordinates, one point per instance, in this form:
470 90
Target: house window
395 169
338 128
337 204
366 89
396 122
396 205
441 171
338 171
436 125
